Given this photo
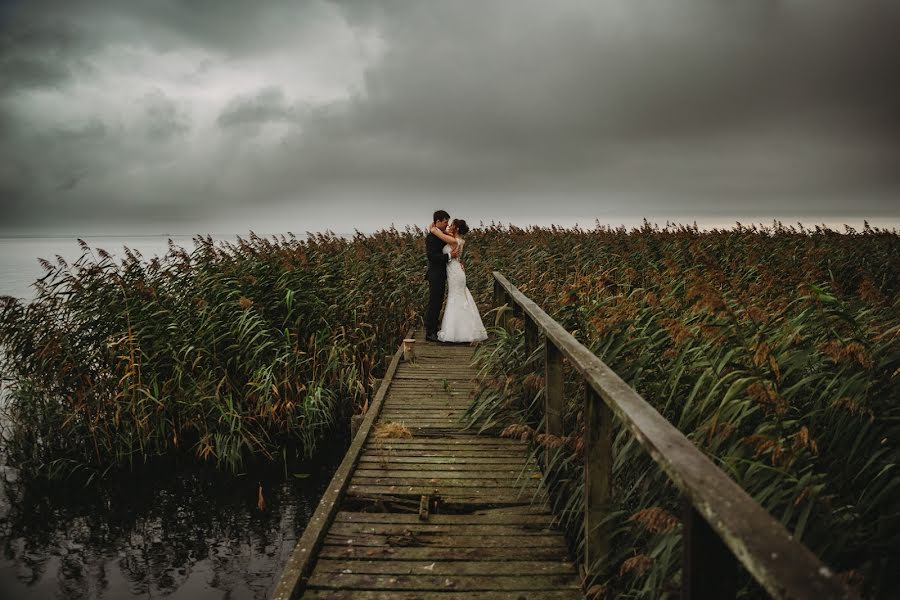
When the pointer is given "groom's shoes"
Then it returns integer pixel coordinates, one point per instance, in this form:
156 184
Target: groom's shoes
432 338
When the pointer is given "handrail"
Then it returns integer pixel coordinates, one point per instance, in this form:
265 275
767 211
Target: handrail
717 510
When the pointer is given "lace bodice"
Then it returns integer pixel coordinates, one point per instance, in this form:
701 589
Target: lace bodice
447 248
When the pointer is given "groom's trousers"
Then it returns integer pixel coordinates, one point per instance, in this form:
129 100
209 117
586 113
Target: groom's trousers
437 285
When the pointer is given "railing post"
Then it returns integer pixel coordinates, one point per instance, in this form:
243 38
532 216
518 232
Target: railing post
598 462
708 568
553 382
501 299
531 336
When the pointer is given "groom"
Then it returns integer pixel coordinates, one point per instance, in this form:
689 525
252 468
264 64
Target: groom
436 274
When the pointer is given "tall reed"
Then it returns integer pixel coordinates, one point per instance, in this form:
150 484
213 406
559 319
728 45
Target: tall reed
231 350
775 350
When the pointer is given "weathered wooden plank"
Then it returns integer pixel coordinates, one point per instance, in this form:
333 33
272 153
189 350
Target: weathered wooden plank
451 365
301 559
512 467
457 392
422 400
419 408
525 516
437 446
404 595
426 410
423 539
450 567
376 452
782 565
439 373
447 482
456 382
507 454
449 455
462 444
513 474
448 459
496 493
434 402
435 554
478 440
449 420
429 376
350 528
442 583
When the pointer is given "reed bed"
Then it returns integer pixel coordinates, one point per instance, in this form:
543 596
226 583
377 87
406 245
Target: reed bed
776 350
222 353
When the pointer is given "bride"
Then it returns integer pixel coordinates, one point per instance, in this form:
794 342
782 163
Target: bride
462 321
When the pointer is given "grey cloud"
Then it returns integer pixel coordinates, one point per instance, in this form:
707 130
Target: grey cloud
38 52
267 105
541 93
18 73
784 107
164 118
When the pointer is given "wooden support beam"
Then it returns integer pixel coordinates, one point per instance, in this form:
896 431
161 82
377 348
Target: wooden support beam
709 569
501 302
531 336
553 395
598 462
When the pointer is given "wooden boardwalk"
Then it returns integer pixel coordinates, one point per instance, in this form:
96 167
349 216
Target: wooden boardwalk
484 530
450 514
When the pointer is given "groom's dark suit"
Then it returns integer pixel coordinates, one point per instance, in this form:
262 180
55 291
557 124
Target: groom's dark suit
437 281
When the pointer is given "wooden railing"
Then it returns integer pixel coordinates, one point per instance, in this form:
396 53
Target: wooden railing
723 525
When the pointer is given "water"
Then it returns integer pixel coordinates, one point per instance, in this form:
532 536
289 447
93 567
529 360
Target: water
19 267
182 532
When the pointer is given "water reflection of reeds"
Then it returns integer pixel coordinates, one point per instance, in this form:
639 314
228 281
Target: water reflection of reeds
174 531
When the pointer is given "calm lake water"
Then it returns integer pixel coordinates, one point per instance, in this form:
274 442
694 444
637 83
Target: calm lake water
176 531
19 267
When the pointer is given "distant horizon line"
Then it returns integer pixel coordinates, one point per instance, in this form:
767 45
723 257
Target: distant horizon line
893 223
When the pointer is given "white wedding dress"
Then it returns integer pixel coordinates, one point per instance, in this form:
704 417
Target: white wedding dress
462 321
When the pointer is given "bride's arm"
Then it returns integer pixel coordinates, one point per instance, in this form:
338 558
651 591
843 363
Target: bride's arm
447 238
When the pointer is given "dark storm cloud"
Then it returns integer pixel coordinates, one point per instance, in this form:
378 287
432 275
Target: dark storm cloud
544 84
40 52
780 107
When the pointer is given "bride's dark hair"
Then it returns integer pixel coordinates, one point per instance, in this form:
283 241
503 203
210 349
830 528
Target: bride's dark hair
461 227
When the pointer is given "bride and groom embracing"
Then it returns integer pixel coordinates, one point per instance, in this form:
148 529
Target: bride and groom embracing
443 249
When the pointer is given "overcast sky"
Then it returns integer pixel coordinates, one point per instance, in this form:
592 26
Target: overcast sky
226 115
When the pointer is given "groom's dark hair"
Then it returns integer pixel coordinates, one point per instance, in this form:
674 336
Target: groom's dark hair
440 215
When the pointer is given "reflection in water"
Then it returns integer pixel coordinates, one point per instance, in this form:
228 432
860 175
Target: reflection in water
180 534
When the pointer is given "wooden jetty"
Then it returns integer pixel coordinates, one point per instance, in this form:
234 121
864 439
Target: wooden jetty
449 514
446 513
